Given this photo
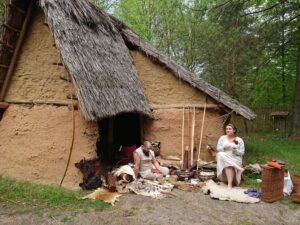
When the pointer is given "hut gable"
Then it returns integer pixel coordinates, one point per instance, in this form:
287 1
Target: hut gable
161 86
97 59
134 41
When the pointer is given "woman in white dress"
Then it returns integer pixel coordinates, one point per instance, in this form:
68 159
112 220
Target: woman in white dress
229 157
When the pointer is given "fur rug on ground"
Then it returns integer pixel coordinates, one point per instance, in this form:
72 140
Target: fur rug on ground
220 191
104 195
151 189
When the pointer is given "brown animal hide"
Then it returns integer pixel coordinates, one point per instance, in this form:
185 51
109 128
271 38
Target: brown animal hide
110 182
103 194
91 173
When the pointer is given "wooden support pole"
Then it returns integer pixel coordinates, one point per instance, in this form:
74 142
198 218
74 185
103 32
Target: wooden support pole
17 50
201 135
7 45
11 28
172 106
43 102
192 136
16 8
182 137
4 66
4 105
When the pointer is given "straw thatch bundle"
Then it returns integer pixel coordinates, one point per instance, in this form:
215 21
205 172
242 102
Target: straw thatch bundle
97 59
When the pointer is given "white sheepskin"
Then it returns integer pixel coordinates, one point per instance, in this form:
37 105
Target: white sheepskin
220 191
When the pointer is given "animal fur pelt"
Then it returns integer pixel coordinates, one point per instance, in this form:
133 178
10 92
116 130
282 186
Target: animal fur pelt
91 173
220 191
103 194
126 182
150 188
124 170
123 176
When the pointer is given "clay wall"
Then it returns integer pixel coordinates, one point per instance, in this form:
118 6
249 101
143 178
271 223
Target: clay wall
35 144
35 77
161 87
167 127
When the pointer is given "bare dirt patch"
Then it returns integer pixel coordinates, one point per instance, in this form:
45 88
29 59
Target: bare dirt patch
185 208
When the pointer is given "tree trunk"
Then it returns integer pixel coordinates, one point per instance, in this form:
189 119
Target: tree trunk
296 119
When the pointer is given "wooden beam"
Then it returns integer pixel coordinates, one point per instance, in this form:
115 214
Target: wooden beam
193 136
17 50
4 105
11 28
57 63
4 66
65 77
13 6
7 45
42 102
197 106
68 96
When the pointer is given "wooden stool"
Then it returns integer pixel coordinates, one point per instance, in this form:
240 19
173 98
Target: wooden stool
272 183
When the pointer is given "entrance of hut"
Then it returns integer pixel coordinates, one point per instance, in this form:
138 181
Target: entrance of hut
118 137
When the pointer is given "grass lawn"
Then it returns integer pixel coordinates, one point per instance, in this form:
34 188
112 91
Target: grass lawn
260 147
37 197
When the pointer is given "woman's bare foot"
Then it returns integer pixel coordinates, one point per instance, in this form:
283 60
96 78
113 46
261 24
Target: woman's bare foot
241 169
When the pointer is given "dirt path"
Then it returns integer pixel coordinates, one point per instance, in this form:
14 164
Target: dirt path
186 208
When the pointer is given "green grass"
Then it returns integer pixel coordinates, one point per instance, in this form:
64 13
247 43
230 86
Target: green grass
38 197
261 147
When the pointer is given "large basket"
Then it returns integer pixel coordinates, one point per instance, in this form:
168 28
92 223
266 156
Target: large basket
296 190
184 175
206 175
272 183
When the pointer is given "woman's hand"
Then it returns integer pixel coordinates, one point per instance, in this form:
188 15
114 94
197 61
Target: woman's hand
227 147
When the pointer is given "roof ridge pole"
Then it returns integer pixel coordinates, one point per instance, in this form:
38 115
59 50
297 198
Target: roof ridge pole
17 50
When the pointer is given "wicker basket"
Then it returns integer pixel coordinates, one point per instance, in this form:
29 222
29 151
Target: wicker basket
184 175
206 175
272 183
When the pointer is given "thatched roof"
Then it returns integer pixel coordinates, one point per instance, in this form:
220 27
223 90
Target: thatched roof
96 57
132 39
94 49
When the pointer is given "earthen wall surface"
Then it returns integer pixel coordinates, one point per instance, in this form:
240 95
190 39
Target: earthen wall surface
161 87
35 144
35 77
167 127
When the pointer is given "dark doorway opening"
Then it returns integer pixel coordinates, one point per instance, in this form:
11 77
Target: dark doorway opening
122 130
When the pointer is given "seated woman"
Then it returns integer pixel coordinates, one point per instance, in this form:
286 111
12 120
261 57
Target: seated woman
229 157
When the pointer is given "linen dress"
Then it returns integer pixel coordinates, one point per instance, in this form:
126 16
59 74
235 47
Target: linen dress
229 157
